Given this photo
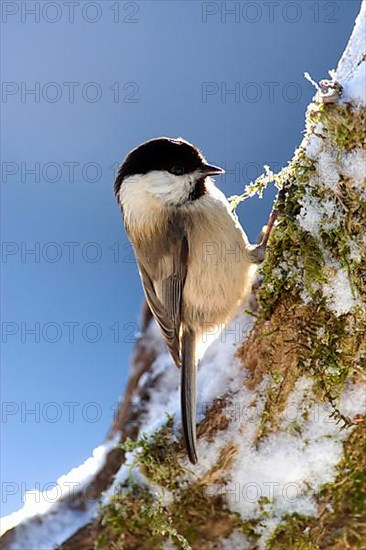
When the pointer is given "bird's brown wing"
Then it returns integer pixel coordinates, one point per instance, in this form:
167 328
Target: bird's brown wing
163 279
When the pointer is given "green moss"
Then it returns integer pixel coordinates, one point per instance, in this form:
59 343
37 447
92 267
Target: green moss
156 457
202 516
293 533
327 345
290 245
249 529
137 520
345 129
345 124
254 188
136 517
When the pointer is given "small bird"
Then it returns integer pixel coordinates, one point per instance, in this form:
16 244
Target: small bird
193 256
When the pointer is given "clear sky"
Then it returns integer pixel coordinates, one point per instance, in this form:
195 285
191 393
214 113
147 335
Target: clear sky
83 83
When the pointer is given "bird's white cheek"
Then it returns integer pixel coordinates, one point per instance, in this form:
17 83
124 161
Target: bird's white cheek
154 190
146 200
168 188
140 208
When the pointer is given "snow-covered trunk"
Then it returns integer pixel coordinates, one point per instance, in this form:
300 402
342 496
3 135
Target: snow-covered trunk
281 400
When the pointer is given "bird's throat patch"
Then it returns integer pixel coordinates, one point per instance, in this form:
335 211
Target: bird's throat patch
198 190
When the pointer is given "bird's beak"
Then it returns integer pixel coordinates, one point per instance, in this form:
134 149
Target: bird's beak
209 170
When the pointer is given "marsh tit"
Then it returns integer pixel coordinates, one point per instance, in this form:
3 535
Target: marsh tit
193 256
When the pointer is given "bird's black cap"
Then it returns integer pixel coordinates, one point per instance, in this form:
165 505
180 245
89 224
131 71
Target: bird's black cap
173 155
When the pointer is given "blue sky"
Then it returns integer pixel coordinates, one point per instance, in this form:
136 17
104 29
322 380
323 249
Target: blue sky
105 78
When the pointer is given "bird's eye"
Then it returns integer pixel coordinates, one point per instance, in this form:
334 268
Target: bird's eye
177 170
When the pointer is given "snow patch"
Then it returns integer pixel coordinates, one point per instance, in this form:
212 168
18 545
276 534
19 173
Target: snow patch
354 89
284 474
236 541
353 400
219 369
310 215
313 147
338 293
328 169
353 166
351 69
315 215
57 521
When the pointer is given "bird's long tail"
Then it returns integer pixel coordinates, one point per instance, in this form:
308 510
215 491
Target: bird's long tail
188 393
